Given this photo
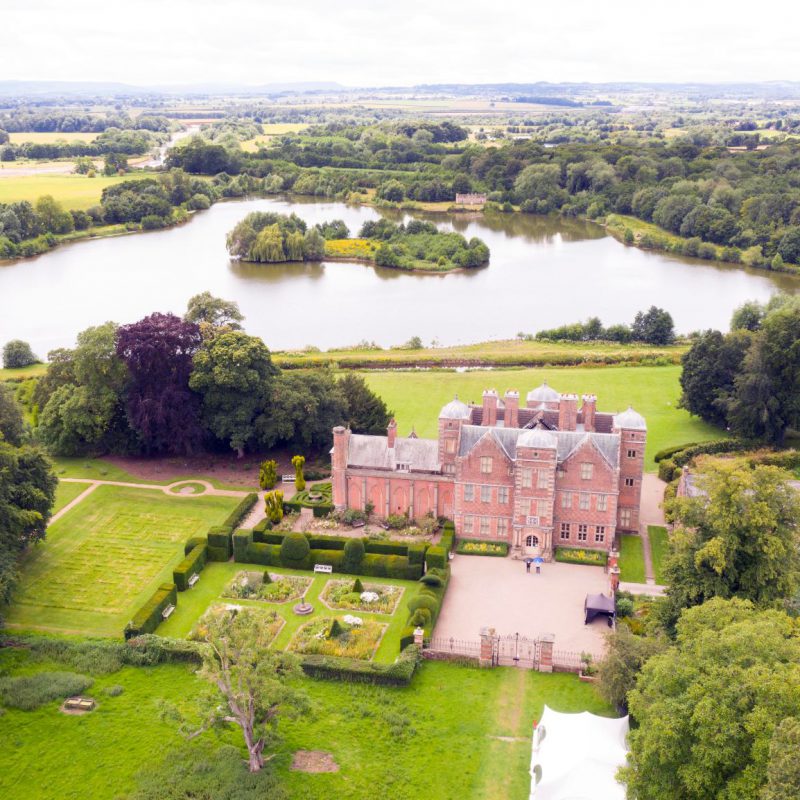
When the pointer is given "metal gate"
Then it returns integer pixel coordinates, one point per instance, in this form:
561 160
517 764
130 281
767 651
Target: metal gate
516 651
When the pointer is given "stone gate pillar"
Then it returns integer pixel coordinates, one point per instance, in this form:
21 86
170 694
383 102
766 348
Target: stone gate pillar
546 657
487 647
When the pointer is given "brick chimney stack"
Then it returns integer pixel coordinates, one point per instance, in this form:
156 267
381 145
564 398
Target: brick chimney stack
489 407
339 455
568 412
512 409
391 433
589 410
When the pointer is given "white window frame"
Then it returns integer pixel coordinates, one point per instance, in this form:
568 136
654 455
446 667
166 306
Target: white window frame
486 465
584 501
469 492
502 494
587 470
486 494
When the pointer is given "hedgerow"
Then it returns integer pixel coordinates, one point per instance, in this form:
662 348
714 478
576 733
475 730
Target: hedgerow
148 617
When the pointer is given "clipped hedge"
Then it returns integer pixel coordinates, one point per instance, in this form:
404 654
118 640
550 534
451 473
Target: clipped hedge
448 538
148 617
436 557
246 551
430 598
194 562
416 553
195 541
354 670
242 509
578 555
669 467
219 543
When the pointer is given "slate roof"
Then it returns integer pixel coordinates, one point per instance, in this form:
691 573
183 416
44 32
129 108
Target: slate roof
373 452
567 441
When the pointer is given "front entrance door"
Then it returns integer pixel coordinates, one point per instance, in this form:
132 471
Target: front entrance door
532 545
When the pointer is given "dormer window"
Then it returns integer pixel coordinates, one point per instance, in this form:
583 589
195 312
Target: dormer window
403 466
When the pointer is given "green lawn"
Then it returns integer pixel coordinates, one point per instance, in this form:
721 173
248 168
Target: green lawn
436 739
20 373
99 469
659 546
631 559
66 493
417 397
106 556
192 605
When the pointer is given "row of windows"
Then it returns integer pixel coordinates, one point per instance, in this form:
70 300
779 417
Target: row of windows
484 526
485 493
584 501
583 532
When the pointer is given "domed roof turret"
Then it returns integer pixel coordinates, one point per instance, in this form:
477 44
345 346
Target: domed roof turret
631 420
539 439
543 394
455 409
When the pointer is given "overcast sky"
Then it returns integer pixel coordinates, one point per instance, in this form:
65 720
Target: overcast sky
378 43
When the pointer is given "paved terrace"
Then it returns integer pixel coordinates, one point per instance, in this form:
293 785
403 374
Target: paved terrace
499 593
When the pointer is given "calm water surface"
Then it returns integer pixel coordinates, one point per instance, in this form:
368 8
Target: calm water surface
543 272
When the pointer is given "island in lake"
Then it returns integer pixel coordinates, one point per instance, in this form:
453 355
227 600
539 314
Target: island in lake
270 238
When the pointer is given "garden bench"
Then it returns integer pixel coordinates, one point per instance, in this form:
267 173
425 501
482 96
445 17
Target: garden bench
288 478
193 580
327 568
167 611
359 523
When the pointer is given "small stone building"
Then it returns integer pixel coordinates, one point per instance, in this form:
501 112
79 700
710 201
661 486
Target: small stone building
547 474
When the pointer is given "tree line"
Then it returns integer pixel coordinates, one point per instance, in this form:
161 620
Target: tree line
654 326
171 385
746 203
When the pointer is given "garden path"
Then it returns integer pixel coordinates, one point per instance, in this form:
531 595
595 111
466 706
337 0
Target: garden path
82 496
172 489
651 513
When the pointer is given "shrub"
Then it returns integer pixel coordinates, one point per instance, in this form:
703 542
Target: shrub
114 691
421 618
436 557
429 603
268 474
27 692
469 547
299 480
352 515
431 580
295 551
353 555
396 522
273 503
193 563
148 617
624 606
358 586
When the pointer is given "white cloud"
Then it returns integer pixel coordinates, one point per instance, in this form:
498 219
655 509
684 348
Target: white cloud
375 42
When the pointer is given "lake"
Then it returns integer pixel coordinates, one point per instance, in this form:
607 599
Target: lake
543 272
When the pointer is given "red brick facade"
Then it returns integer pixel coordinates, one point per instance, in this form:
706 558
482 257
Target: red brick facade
541 476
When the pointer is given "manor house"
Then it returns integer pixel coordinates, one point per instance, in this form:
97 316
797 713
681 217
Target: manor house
547 474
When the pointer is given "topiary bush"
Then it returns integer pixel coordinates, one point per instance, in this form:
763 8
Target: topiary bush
358 587
436 557
295 551
353 555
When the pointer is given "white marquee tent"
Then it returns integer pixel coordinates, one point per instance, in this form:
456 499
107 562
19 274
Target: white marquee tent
576 757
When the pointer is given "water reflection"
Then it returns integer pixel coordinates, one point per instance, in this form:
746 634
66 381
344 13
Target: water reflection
544 271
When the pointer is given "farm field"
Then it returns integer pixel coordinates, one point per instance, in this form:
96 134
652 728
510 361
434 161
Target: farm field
103 558
271 130
215 577
417 397
72 191
390 742
631 559
49 137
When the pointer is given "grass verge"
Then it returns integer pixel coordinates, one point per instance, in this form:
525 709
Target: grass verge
631 559
659 547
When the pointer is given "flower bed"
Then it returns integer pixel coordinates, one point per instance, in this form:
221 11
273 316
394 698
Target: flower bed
270 620
375 598
329 636
249 585
573 555
474 548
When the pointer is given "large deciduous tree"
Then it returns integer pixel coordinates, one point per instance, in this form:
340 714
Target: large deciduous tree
710 707
654 326
232 373
366 412
709 373
27 491
158 352
17 353
252 680
738 539
12 421
213 314
767 400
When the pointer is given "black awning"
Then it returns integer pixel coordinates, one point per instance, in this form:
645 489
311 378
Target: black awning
596 604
